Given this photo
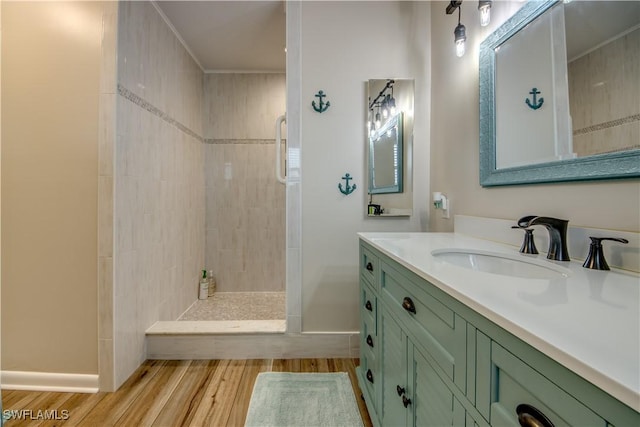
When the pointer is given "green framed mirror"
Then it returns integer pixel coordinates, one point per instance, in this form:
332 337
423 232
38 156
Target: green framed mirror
588 127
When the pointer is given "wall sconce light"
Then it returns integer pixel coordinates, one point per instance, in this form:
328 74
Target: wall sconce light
460 33
484 6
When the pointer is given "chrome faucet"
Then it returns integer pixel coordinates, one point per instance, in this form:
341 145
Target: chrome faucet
557 229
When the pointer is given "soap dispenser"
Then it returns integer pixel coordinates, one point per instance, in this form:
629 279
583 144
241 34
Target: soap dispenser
203 292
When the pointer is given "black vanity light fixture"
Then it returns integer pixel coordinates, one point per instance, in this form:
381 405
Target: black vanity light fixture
384 103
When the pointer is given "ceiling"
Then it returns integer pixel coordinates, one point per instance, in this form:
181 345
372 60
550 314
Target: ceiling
238 36
249 35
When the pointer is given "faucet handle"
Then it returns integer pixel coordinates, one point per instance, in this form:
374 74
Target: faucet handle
525 220
595 260
528 245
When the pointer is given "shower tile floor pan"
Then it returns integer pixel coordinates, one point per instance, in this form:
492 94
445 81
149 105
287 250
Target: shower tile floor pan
238 306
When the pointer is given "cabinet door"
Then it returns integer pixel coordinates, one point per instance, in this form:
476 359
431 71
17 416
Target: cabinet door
393 344
433 403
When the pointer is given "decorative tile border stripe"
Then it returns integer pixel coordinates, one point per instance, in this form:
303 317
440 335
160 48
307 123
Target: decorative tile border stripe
606 125
241 141
141 102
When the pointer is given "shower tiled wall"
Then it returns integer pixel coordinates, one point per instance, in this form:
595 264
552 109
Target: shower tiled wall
159 202
245 205
605 97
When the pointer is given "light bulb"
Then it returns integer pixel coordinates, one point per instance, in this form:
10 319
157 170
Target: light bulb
485 12
460 37
392 103
460 48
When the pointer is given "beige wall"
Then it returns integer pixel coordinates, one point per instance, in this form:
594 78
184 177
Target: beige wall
341 51
245 219
158 182
50 95
455 142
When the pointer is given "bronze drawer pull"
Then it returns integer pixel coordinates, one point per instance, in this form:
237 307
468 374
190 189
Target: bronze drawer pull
370 341
400 390
528 416
370 376
406 401
368 306
408 305
369 266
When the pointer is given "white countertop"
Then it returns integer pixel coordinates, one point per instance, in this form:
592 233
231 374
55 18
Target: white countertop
589 321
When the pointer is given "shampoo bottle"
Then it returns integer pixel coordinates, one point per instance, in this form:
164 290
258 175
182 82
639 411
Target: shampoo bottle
212 283
203 292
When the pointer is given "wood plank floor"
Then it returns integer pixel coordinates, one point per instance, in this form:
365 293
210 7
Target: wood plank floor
170 393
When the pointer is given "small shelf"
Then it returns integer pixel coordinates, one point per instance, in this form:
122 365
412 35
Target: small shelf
393 212
391 215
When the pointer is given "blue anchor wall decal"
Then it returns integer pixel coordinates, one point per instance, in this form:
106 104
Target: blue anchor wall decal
322 107
349 188
536 103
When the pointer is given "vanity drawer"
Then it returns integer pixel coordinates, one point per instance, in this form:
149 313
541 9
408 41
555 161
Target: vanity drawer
368 338
512 384
370 375
435 327
369 264
368 305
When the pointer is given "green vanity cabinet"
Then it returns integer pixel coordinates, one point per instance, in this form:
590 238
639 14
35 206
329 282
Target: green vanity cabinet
413 350
413 390
426 359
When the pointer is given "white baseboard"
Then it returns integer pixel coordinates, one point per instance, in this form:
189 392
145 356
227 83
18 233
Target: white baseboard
48 381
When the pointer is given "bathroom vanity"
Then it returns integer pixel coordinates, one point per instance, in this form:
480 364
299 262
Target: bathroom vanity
463 331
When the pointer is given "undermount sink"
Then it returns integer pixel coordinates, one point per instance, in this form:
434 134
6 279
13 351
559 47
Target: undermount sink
515 265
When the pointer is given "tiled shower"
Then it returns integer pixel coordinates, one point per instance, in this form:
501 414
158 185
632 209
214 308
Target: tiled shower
245 205
193 187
